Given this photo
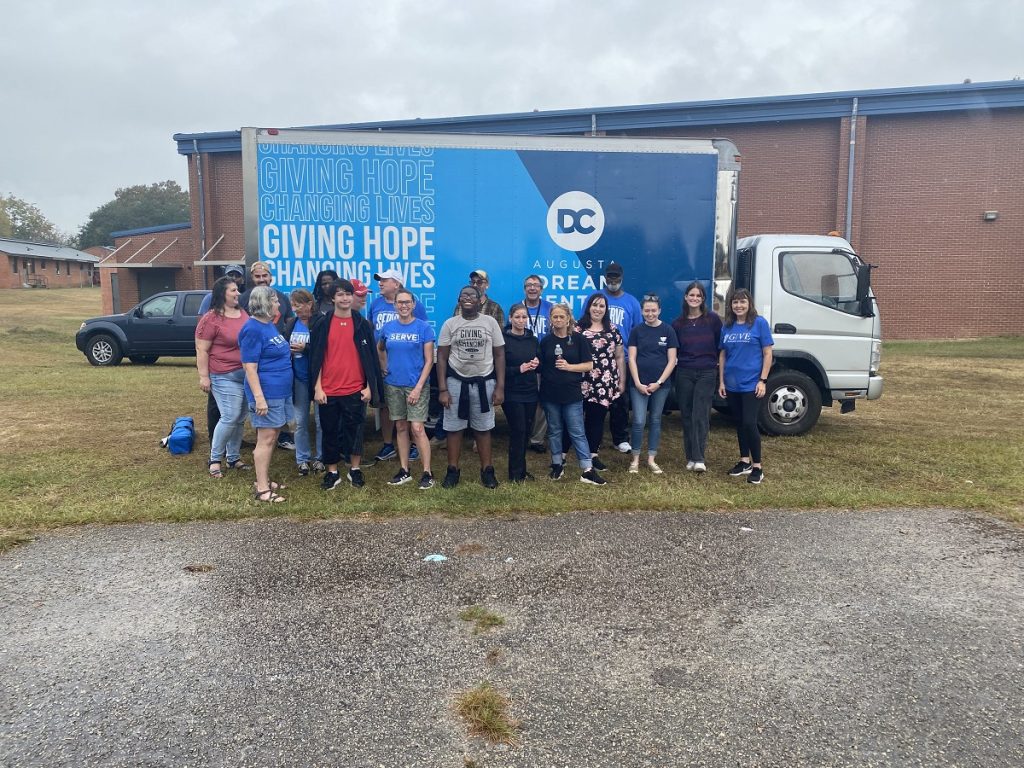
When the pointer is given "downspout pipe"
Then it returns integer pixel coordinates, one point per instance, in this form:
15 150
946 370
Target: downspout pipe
202 206
848 229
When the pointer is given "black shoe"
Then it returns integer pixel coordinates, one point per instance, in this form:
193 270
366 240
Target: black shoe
426 482
538 448
741 468
451 478
303 469
756 476
487 478
331 480
355 476
590 476
557 470
401 477
598 464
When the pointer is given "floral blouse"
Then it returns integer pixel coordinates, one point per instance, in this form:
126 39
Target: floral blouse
601 383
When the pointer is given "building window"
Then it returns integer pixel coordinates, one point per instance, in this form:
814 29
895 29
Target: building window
57 264
42 264
32 266
14 264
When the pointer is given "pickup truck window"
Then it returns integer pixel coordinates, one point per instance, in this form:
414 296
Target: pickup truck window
824 278
161 306
191 306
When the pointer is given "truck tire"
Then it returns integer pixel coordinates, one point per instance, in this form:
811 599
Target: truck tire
143 359
791 405
103 350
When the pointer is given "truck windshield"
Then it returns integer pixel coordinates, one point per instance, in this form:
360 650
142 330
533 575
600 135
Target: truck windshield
828 279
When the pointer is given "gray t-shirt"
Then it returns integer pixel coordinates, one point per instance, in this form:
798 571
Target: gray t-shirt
472 344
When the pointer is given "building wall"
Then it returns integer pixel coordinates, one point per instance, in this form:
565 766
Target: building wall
139 250
58 273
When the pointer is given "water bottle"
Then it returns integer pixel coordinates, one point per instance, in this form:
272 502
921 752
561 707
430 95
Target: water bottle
558 350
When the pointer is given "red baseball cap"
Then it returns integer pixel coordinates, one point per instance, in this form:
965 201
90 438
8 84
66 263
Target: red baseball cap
360 289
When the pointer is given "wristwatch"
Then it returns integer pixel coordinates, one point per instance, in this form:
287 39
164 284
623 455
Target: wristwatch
763 381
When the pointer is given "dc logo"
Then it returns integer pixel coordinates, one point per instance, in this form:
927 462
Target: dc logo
575 221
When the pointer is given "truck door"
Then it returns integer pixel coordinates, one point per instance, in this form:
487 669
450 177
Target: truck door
815 315
154 327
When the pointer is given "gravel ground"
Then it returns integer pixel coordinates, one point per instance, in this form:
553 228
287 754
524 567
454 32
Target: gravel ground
762 639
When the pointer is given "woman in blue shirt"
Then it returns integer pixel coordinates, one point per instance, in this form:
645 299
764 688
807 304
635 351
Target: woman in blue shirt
743 365
307 448
267 360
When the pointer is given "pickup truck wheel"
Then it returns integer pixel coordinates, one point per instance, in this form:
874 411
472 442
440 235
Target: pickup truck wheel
791 405
103 349
143 359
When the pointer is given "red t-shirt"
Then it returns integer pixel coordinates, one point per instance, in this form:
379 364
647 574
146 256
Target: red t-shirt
222 333
342 371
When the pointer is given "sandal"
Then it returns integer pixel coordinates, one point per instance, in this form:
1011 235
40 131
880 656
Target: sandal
238 464
218 473
634 466
273 486
268 496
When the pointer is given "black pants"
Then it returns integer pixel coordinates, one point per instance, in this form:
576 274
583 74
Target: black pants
520 417
744 407
695 390
212 414
341 420
618 418
593 423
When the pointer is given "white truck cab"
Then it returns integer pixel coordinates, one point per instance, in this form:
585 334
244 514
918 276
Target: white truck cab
815 293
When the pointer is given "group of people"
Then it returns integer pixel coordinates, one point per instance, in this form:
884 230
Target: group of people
556 377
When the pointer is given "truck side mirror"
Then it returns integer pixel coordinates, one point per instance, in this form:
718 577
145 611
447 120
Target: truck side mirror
867 308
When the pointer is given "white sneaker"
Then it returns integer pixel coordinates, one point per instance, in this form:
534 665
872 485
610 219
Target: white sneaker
623 447
689 466
699 466
634 466
654 467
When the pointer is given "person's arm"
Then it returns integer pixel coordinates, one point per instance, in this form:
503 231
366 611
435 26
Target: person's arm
253 377
382 356
620 363
766 367
318 391
428 363
442 376
634 373
721 372
499 376
203 363
670 366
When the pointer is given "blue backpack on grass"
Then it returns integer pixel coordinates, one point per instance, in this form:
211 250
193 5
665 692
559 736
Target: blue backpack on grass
181 437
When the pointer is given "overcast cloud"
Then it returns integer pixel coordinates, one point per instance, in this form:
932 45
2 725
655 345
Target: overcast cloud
92 92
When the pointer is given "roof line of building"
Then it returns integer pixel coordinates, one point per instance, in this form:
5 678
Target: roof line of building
151 230
809 106
36 250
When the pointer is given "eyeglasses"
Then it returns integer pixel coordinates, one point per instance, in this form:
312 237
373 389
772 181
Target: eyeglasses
652 297
403 302
531 285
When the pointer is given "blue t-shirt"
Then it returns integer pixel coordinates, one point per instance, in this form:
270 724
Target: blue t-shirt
743 358
300 360
539 318
623 311
204 305
263 344
404 345
383 311
652 345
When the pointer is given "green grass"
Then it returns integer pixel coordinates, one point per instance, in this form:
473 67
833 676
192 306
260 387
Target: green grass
81 444
485 710
482 618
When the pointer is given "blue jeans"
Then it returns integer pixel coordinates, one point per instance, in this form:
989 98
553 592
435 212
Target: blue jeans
229 393
300 404
568 417
641 403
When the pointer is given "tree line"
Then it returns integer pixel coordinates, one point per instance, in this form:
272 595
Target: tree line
142 205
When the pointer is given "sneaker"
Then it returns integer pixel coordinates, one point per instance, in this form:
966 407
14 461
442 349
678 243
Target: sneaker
438 442
741 468
756 476
414 453
557 470
487 478
303 469
654 468
690 465
426 482
387 451
451 478
331 480
598 464
355 476
316 466
286 443
538 448
623 447
591 476
634 466
401 477
700 466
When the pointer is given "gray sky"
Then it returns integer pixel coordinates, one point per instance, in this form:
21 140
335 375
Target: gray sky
91 92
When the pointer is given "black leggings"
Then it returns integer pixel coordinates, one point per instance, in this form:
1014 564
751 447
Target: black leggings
744 407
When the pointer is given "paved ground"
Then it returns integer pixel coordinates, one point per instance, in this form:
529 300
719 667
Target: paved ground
769 639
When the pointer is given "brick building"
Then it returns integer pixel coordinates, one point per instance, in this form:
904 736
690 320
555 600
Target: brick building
933 195
44 265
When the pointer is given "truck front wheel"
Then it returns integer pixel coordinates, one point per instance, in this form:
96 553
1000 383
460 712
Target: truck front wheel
103 349
791 405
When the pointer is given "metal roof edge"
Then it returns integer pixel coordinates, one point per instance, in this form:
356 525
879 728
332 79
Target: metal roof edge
151 230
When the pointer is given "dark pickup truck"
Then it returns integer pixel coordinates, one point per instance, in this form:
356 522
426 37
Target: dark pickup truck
163 325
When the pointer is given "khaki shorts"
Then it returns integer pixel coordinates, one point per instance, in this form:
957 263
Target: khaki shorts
398 405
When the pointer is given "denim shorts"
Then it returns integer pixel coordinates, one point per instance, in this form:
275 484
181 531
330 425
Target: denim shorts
276 416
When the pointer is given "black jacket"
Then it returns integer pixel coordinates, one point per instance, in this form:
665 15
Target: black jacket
363 336
520 387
